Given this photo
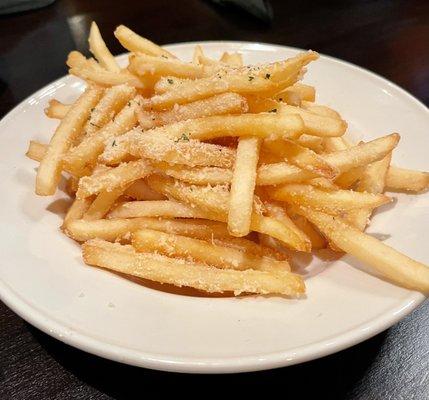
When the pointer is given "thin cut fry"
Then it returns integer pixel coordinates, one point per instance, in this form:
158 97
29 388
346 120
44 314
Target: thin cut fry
147 240
102 204
406 180
98 48
56 109
139 190
243 186
394 265
173 271
49 172
234 59
137 44
332 201
76 211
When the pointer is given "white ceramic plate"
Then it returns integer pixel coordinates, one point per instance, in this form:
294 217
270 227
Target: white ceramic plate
43 278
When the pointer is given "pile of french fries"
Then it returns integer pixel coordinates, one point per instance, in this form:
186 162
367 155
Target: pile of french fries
213 175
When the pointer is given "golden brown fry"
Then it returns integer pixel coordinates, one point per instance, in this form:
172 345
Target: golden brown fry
157 208
225 103
171 245
234 59
36 151
320 110
329 201
297 93
139 190
406 180
98 48
76 211
177 272
392 264
56 109
49 172
114 178
102 204
243 186
138 44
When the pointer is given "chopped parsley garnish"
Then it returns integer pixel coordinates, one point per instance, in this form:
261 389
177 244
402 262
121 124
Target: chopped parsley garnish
92 109
280 98
164 56
267 76
170 81
251 78
129 103
183 138
274 110
91 123
114 143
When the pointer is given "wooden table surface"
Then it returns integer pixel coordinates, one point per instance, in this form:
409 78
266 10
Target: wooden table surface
388 37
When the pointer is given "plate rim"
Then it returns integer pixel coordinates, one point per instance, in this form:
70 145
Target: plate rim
296 355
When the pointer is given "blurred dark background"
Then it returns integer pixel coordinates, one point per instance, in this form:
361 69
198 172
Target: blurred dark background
388 37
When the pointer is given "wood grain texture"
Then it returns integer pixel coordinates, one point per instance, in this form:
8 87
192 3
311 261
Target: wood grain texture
387 37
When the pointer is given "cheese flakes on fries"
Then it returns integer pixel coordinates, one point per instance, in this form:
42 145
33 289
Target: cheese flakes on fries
187 173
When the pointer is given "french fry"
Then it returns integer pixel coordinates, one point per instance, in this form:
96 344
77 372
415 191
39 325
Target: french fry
90 70
114 178
316 124
139 190
72 185
85 154
314 143
168 270
347 179
372 181
179 151
316 239
36 151
329 201
322 183
406 180
200 58
389 262
49 172
147 240
196 175
243 186
76 211
234 59
320 110
157 208
214 201
114 229
113 100
193 90
167 83
143 64
225 103
296 94
333 144
56 109
98 48
301 157
137 44
102 204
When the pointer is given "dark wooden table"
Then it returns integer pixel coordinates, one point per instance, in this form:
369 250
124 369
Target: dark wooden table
388 37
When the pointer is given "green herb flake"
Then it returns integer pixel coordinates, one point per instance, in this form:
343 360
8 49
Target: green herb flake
92 123
183 138
280 98
274 110
251 78
114 143
267 76
129 104
170 81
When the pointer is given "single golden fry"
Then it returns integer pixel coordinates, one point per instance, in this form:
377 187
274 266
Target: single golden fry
318 109
114 178
36 151
76 211
49 172
163 269
394 265
234 59
56 109
139 190
296 94
329 201
138 44
225 103
171 245
157 208
98 48
102 204
406 180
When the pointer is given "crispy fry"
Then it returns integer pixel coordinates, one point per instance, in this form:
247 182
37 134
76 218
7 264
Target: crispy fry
139 190
102 204
76 211
49 172
297 93
98 48
137 44
173 271
320 110
171 245
406 180
332 201
36 151
56 109
157 208
394 265
114 178
225 103
234 59
243 186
